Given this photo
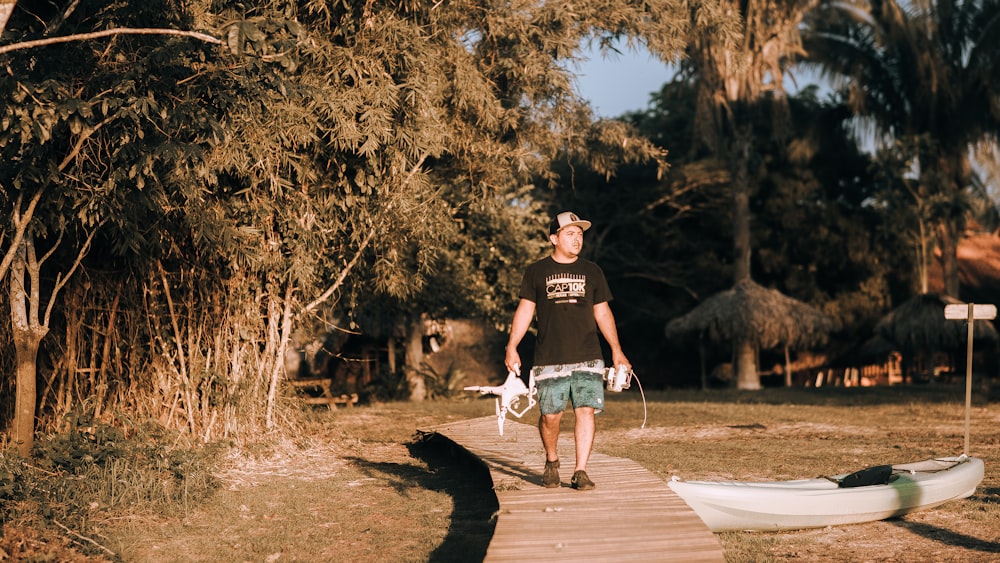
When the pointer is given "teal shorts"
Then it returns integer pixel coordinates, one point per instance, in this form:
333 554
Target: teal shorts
581 384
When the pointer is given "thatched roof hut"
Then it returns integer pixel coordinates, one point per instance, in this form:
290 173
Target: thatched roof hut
875 350
767 316
919 325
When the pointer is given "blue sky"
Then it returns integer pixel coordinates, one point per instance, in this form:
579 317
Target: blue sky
620 83
623 82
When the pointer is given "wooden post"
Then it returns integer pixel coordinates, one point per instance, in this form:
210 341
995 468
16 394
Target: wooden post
970 312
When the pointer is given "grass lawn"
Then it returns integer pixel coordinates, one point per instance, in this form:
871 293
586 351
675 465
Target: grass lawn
356 485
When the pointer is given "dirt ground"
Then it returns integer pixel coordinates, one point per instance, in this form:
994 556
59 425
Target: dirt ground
930 536
395 499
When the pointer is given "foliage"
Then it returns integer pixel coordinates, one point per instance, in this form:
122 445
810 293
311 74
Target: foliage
673 237
818 236
326 158
736 82
84 442
921 74
388 386
736 85
443 385
357 165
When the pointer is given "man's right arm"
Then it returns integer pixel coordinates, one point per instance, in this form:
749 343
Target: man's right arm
519 327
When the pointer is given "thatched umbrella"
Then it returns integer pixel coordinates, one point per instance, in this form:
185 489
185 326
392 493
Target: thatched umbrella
767 317
918 327
919 324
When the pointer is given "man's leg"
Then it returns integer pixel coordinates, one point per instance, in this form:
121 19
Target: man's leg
548 429
584 435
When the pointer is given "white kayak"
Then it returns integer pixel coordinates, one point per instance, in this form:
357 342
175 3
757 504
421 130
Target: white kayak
830 501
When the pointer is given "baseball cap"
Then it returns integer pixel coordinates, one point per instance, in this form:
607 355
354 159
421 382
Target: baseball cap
565 219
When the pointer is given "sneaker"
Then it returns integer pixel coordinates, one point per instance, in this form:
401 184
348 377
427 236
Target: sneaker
581 481
550 477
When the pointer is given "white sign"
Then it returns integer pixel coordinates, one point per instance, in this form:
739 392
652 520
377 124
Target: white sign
961 311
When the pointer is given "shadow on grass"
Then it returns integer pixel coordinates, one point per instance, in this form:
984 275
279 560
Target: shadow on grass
467 480
951 537
948 537
453 471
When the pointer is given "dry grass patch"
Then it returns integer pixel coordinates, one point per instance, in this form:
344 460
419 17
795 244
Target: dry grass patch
782 434
357 485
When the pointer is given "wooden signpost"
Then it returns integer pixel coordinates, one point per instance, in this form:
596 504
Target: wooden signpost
971 313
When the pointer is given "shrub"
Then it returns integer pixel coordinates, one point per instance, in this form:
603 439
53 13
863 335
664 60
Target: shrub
94 466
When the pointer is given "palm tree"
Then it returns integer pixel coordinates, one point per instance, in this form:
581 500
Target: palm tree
922 74
737 81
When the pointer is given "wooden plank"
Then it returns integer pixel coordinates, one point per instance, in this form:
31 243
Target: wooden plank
324 384
962 311
311 382
348 400
632 515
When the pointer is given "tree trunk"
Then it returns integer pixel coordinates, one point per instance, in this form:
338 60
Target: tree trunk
747 377
414 359
788 368
26 345
925 255
701 363
280 332
741 209
391 351
27 334
948 237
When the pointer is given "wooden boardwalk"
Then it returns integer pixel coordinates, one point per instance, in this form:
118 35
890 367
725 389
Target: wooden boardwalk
632 515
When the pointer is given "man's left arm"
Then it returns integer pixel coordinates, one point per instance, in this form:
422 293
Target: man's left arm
606 323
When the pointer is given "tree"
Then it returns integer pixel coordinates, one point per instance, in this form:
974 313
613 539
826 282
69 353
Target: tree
323 157
735 83
52 200
29 325
923 73
815 236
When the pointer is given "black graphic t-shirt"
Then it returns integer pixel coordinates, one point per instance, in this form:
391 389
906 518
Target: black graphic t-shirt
564 297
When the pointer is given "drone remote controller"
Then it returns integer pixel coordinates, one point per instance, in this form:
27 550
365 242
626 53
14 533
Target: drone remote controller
618 379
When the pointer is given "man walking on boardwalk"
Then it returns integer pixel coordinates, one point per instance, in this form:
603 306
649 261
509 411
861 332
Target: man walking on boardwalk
570 297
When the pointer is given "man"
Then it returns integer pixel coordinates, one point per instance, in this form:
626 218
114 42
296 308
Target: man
570 297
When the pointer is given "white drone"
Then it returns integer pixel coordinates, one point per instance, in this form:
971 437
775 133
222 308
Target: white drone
509 395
